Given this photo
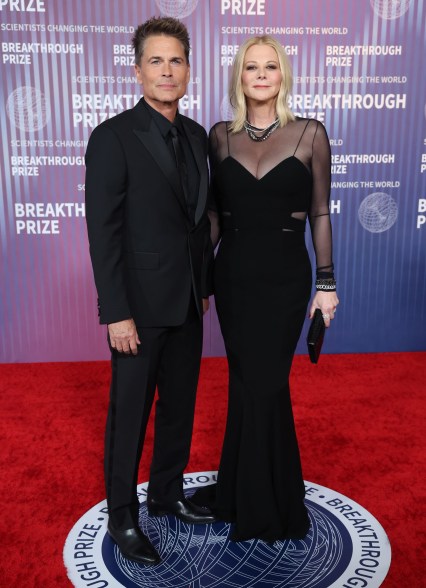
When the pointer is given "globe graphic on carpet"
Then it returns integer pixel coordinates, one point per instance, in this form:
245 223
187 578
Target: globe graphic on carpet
378 212
390 9
203 553
331 555
26 107
177 8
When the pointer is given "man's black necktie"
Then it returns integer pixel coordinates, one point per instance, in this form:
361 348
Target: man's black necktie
180 161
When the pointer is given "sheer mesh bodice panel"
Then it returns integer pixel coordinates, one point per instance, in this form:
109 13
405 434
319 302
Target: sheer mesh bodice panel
278 183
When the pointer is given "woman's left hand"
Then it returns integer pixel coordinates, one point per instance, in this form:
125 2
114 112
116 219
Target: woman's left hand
327 302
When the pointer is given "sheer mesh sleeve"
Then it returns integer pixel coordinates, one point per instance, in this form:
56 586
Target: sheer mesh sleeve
214 159
319 214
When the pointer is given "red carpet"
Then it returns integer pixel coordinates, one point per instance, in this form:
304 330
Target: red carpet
359 420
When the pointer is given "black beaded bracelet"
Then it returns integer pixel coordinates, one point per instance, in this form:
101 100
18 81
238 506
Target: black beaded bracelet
325 284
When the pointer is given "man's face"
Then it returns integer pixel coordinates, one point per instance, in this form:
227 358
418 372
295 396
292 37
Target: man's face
163 71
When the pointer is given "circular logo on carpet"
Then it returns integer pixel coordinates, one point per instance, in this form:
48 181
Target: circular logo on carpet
345 547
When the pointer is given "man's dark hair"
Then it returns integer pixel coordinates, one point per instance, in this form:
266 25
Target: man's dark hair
160 26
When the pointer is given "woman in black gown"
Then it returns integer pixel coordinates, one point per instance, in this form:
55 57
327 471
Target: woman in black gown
270 171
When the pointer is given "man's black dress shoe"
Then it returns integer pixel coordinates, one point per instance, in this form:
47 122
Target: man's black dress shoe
135 545
181 509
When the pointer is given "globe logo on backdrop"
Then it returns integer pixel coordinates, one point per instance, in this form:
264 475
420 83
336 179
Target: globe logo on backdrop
390 9
226 111
26 108
378 212
345 545
177 8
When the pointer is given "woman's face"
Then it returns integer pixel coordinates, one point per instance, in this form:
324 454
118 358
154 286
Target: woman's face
261 77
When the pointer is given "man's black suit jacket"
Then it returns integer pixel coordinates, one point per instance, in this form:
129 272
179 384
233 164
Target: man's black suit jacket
147 254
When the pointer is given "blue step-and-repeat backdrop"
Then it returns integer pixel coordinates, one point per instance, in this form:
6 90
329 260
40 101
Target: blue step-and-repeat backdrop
358 66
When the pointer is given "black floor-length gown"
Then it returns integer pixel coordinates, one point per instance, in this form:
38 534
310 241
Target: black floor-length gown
263 193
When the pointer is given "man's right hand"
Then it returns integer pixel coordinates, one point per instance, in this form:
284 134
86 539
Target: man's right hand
124 337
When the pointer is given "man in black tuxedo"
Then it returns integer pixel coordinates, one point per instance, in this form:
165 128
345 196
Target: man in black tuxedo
146 198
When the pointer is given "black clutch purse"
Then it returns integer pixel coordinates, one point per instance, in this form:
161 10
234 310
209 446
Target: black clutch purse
316 336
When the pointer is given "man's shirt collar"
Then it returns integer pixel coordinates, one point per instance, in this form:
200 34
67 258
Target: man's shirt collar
162 122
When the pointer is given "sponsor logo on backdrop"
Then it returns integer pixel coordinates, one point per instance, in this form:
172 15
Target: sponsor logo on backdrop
345 547
282 30
29 165
188 102
41 218
23 5
89 110
102 79
390 9
378 212
335 206
350 80
49 143
315 105
340 164
343 55
21 53
177 8
365 184
123 55
65 28
228 52
243 7
421 218
349 101
27 109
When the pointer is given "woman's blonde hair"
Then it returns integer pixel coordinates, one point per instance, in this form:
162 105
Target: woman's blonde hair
236 94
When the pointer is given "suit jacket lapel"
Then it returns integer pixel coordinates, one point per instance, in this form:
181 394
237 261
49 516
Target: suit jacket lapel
150 136
198 150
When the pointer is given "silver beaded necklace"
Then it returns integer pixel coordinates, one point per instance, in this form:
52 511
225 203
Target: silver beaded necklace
252 130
